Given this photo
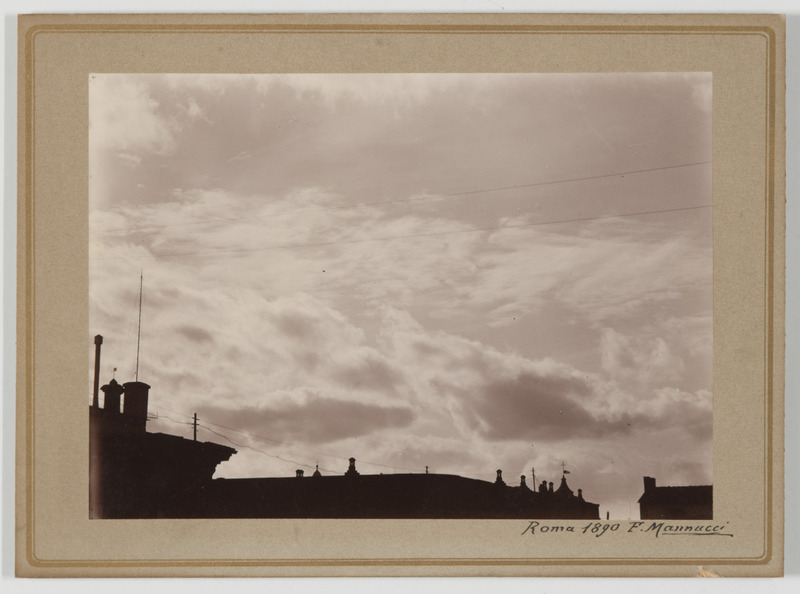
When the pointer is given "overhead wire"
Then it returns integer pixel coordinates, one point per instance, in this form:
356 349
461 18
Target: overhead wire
275 442
415 199
415 235
392 238
577 179
281 458
240 445
253 435
276 456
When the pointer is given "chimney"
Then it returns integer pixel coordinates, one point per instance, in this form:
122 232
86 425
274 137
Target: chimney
111 396
98 340
649 484
299 473
136 395
522 482
351 470
499 479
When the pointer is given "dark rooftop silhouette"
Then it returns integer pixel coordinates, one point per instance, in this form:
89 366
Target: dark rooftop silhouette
676 503
137 474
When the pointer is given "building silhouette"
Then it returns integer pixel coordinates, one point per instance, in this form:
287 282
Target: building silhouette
694 502
137 474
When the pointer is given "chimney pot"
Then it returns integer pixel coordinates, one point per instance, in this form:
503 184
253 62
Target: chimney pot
136 396
351 470
134 410
112 392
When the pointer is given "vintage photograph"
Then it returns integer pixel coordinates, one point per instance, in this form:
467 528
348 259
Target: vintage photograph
400 296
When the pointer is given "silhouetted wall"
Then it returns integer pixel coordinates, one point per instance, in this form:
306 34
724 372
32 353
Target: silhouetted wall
429 496
135 474
676 503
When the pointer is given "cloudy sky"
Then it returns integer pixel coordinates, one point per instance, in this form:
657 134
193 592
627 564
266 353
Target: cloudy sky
466 272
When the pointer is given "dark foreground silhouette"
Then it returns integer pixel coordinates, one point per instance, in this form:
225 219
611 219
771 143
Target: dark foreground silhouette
137 474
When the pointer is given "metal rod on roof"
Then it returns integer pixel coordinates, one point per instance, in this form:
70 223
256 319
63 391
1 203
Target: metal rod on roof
139 331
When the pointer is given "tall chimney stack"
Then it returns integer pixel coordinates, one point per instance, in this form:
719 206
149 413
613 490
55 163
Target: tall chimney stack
98 340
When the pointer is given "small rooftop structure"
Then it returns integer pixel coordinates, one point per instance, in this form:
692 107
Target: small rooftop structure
693 502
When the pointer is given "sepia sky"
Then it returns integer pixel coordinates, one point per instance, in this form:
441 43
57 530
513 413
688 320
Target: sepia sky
465 272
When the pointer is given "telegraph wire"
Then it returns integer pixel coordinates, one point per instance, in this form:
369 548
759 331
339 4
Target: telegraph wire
253 435
413 235
599 488
169 418
240 445
274 442
408 200
275 456
576 179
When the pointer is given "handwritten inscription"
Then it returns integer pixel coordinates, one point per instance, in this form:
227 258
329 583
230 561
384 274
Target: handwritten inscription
655 529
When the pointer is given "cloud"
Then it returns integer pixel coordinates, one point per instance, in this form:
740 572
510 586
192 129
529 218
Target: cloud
317 420
630 270
506 397
535 407
131 160
195 333
369 371
633 275
643 359
124 116
413 269
193 110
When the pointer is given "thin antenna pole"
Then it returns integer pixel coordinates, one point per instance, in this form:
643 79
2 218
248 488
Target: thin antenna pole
139 332
195 426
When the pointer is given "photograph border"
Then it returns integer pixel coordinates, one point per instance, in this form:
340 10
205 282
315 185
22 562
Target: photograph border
770 28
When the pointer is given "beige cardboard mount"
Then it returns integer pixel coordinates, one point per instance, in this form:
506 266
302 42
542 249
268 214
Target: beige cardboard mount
744 53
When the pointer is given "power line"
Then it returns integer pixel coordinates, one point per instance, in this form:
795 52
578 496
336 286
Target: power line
240 445
275 456
173 420
415 235
576 179
272 441
315 454
276 442
407 200
301 449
